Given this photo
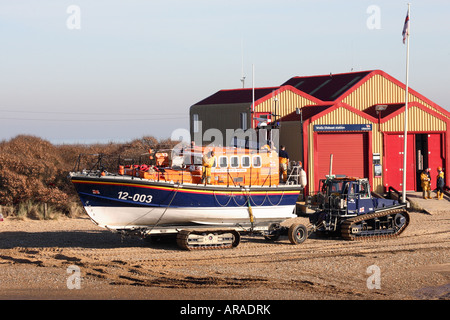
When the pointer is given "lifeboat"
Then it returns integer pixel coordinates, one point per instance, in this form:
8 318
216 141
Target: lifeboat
171 195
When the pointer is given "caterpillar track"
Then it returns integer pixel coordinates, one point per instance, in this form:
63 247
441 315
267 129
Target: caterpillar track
382 224
208 239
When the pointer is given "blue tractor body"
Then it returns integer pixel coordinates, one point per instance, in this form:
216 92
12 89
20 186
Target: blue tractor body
346 205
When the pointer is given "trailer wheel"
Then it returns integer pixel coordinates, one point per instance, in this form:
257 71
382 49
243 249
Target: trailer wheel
297 233
236 238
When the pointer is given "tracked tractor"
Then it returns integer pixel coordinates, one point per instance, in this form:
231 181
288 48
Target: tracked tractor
347 208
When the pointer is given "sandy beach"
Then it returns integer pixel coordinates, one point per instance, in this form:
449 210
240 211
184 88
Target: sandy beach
75 259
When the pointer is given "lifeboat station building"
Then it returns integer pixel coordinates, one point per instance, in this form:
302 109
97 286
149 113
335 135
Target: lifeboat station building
357 117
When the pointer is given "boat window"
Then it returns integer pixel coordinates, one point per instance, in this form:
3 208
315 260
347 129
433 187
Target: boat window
256 161
245 161
223 161
197 157
234 161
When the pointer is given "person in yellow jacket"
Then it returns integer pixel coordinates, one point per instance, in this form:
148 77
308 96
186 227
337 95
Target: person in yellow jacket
283 158
425 183
208 162
440 182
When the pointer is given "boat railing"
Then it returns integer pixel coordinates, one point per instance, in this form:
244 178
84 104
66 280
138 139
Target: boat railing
294 174
88 163
95 163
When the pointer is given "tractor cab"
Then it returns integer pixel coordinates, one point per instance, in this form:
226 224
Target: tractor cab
345 196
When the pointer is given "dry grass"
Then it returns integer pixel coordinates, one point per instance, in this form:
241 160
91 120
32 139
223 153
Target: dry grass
34 172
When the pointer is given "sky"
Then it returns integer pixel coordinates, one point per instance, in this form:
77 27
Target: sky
86 71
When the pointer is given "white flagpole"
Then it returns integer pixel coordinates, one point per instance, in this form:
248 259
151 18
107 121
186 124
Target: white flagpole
253 93
405 137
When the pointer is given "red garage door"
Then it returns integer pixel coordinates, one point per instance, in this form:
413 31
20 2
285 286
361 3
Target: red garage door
435 155
349 151
393 168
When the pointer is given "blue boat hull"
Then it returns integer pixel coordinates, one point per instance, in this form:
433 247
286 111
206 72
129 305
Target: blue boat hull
123 202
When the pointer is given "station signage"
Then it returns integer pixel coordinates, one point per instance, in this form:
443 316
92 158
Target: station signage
343 127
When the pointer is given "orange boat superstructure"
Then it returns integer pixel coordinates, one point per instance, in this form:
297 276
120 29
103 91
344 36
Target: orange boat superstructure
232 166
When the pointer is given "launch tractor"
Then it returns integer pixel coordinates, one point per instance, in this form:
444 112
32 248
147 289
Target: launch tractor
347 208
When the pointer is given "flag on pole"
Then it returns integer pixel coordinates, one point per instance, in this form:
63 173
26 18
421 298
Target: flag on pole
405 32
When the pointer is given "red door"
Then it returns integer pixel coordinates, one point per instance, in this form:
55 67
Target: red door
435 155
393 167
349 151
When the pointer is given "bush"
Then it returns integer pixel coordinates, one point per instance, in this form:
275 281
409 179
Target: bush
34 172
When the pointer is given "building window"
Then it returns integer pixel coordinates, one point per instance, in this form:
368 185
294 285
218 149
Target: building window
244 120
195 122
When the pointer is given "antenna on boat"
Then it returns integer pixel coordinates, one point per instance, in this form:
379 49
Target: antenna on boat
253 91
242 71
274 111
